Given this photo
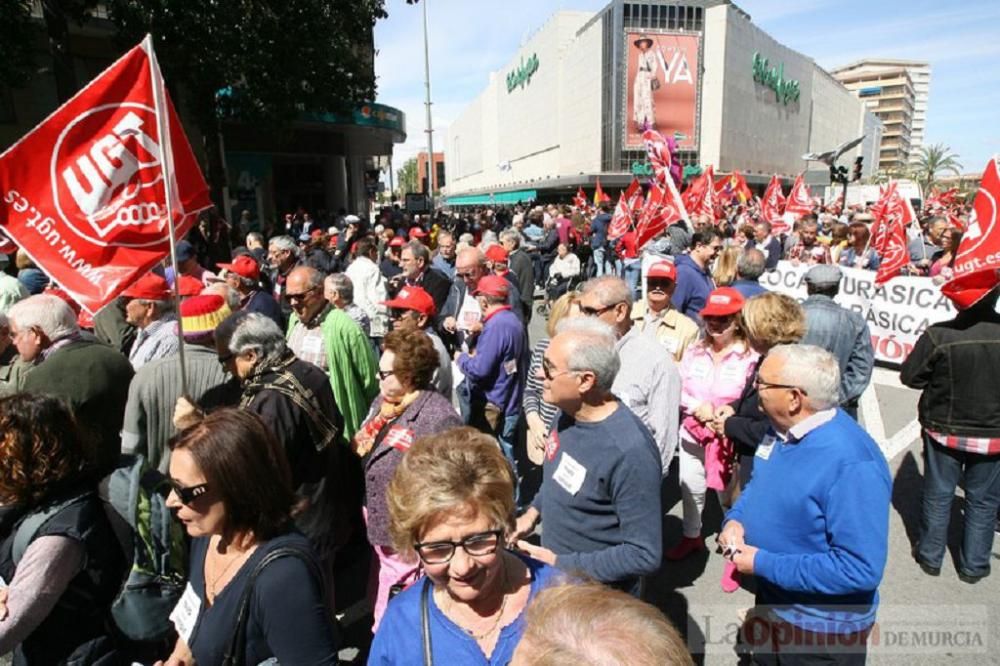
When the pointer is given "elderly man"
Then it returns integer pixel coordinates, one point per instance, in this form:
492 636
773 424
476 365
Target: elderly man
956 364
12 367
243 275
494 370
763 240
462 315
154 390
600 494
648 383
818 545
809 250
149 308
413 309
926 246
842 332
521 266
444 258
330 340
91 377
657 317
282 256
694 279
749 267
338 290
415 259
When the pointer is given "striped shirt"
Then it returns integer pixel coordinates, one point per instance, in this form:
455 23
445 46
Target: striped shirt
987 446
157 340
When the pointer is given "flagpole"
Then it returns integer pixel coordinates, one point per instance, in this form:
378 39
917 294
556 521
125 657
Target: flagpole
163 130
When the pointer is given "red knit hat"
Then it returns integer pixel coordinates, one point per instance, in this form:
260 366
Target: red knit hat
150 287
413 298
244 266
201 314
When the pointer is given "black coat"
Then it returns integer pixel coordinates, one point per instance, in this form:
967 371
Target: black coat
747 427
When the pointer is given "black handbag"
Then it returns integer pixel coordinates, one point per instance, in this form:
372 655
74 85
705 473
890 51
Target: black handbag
654 84
236 651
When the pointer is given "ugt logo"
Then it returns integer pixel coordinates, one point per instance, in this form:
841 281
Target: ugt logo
107 175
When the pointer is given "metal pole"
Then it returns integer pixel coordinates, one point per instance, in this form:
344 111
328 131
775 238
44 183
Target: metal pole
430 126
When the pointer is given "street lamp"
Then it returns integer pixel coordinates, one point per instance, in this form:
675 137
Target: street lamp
431 167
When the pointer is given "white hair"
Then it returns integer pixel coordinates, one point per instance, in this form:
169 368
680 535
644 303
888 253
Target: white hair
285 243
590 347
50 314
814 370
610 290
259 333
229 295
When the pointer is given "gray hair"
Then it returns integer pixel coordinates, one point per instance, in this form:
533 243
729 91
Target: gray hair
229 295
285 243
3 321
590 347
258 333
341 284
419 251
814 370
609 289
255 236
751 264
512 236
50 314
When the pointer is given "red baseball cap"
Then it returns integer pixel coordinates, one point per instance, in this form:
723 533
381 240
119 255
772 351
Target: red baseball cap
496 253
663 269
413 298
417 232
150 287
189 286
244 266
397 241
316 233
492 285
722 302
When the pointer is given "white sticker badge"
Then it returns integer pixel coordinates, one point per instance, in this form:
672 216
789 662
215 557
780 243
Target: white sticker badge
570 474
185 613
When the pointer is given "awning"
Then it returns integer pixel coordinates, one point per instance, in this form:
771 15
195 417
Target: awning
493 199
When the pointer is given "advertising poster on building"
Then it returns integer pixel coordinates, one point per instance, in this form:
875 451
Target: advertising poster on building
897 313
662 86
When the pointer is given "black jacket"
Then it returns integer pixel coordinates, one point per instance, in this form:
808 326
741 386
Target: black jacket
747 427
957 365
520 264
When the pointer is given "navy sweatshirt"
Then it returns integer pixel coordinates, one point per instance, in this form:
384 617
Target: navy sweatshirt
818 510
600 497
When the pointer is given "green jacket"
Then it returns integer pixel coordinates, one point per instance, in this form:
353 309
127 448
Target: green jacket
352 367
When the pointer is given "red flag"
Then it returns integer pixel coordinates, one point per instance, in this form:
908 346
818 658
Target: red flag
734 186
85 194
772 206
658 153
629 203
599 194
978 258
799 200
663 208
940 200
699 197
580 200
889 236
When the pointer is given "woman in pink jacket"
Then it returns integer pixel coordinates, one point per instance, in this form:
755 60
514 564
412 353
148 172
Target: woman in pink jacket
714 371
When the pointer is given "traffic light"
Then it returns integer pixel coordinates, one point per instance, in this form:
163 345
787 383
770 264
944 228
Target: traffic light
858 162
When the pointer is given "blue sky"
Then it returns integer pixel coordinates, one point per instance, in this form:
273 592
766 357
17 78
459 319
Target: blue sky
471 38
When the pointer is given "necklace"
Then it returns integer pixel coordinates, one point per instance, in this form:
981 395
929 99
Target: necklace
499 614
213 585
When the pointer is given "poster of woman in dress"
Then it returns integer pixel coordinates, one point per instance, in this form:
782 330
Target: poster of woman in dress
662 86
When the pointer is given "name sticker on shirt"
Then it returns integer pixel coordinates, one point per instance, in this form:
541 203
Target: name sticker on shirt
312 344
399 438
765 448
701 369
185 613
510 367
570 474
671 344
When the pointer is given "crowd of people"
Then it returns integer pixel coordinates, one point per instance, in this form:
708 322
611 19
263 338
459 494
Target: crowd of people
304 389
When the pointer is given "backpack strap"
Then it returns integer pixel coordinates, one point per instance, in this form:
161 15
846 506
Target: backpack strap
236 651
34 521
425 623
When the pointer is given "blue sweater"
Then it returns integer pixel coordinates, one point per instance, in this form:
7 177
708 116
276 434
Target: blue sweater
494 372
399 640
693 287
610 527
818 510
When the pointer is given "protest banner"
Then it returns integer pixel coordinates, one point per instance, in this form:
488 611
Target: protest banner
897 312
92 192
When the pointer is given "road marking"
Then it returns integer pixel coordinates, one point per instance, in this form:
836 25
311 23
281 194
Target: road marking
871 413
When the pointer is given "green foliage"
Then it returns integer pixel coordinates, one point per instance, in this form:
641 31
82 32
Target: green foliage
406 177
932 160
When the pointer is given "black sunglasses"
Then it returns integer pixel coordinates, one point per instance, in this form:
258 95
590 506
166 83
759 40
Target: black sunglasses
188 494
597 312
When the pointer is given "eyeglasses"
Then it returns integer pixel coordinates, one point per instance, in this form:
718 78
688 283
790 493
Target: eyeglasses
188 494
300 296
465 275
760 384
476 545
547 370
383 374
597 312
662 285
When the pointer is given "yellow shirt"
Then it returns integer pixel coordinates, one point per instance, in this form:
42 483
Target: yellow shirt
673 330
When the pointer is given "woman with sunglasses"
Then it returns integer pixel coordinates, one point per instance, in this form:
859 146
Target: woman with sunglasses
451 504
232 490
406 409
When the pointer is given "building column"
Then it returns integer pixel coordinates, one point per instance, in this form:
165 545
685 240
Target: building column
335 182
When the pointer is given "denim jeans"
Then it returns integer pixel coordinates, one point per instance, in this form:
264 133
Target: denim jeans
599 268
943 468
633 273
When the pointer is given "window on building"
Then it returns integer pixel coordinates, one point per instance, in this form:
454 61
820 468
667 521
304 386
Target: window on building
439 175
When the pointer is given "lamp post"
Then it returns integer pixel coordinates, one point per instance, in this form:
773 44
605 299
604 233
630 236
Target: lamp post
430 127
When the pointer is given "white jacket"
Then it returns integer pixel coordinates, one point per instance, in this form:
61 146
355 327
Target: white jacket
369 292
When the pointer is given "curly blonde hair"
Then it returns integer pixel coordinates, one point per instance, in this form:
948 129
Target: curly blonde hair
460 471
773 319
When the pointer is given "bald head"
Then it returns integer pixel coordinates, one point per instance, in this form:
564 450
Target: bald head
470 265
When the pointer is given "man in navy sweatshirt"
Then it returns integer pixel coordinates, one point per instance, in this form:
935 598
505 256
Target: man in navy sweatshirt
694 280
813 524
600 494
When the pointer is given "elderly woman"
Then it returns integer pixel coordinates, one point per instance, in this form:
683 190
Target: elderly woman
451 504
407 408
232 490
294 400
564 268
769 320
72 555
714 372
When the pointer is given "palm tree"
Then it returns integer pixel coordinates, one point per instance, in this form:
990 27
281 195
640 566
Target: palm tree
932 160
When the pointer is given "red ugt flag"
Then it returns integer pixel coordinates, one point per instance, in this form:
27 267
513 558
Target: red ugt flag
580 200
84 193
799 200
699 197
662 209
978 258
889 236
629 203
772 206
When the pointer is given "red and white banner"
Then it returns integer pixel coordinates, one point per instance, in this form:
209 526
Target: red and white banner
629 204
85 192
663 208
888 237
699 197
799 200
977 264
772 206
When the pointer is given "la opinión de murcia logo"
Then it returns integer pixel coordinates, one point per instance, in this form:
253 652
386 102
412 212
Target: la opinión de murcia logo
107 175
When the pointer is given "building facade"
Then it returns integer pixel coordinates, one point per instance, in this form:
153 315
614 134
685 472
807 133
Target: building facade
897 92
440 179
570 105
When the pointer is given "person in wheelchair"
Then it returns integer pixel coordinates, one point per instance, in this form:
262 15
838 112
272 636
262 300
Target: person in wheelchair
563 273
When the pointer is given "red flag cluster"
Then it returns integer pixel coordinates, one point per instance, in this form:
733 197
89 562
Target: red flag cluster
799 200
630 204
772 206
893 214
663 205
699 198
978 259
733 187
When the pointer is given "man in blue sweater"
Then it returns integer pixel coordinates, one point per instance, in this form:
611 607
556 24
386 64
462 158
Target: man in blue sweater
600 494
694 279
813 524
